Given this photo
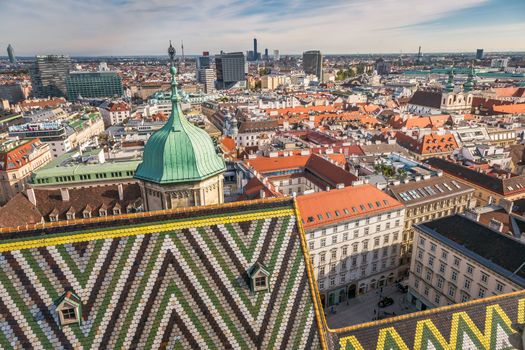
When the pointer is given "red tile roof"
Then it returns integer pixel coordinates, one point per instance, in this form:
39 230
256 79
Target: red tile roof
324 208
18 156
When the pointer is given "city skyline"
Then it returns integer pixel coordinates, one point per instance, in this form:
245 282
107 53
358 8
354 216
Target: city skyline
340 27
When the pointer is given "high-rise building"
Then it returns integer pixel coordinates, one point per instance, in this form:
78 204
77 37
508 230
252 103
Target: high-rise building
230 68
11 54
479 54
266 56
207 77
313 63
204 61
48 75
255 53
276 55
93 85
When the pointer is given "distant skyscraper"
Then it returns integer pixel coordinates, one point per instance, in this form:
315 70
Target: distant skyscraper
276 55
230 68
255 53
479 54
48 75
266 56
93 85
313 63
204 61
419 55
11 54
206 76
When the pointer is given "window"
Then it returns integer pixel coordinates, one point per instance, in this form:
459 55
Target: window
484 277
467 284
429 275
312 245
420 254
332 281
321 284
354 247
464 298
396 236
418 268
481 293
386 238
397 223
69 314
431 261
426 291
323 242
322 257
416 284
343 265
378 228
344 250
260 282
500 287
470 269
441 268
451 291
437 299
374 267
432 247
456 261
375 255
440 282
334 253
354 261
444 254
454 276
345 236
376 241
334 239
356 234
421 241
365 245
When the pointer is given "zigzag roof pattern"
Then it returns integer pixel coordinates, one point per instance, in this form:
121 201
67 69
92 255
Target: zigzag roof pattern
480 324
174 279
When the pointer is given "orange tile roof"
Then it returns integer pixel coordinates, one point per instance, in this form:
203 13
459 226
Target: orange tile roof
325 208
267 164
510 109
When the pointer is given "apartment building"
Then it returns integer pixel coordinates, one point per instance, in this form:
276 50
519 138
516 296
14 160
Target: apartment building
489 188
353 234
425 200
457 259
18 160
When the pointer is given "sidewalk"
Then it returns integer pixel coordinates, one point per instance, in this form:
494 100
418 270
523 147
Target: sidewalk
361 309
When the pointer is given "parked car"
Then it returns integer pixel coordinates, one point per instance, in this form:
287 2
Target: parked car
386 302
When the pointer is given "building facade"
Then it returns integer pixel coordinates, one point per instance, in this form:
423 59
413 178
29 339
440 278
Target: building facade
313 63
18 160
230 69
456 260
426 200
354 237
49 74
93 85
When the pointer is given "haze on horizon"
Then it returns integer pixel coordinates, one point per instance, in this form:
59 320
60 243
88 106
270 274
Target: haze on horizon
143 27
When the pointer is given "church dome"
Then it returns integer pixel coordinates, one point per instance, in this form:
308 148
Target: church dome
179 151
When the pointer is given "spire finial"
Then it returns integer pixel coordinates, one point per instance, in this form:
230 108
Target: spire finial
173 72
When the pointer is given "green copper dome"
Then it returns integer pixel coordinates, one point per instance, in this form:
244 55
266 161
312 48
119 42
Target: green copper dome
179 151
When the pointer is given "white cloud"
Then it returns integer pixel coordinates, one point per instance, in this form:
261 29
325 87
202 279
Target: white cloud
144 27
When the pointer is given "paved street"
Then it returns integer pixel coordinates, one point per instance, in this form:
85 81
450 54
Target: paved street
361 309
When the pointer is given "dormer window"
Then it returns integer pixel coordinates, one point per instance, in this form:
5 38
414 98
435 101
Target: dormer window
259 278
102 212
68 308
116 211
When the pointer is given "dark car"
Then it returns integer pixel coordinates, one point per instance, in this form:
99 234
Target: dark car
386 302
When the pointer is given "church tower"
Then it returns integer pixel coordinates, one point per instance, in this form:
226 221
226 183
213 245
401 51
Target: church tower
180 167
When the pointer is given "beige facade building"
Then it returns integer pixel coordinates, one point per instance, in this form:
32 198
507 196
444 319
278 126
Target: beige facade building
425 200
18 160
456 260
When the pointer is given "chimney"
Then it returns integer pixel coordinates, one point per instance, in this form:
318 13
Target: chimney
340 186
120 192
64 193
31 195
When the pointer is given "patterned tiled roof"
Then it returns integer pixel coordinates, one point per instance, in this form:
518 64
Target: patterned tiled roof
170 279
480 324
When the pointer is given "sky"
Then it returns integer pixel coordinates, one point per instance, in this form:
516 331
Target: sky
144 27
